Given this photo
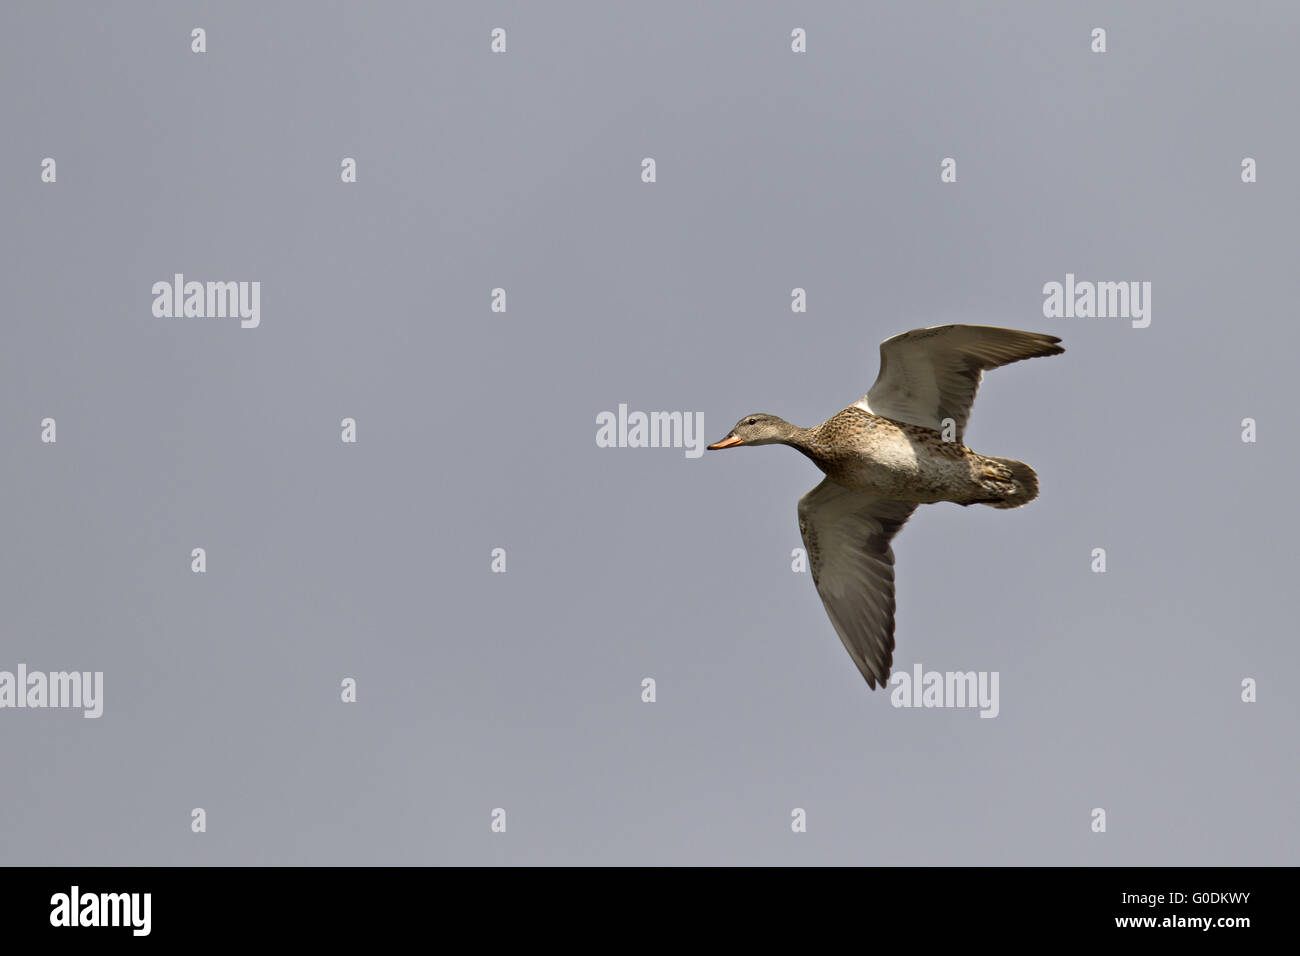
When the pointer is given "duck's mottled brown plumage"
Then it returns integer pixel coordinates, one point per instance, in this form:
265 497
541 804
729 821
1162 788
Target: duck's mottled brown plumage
900 461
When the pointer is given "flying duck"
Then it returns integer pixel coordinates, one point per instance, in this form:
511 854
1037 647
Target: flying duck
898 447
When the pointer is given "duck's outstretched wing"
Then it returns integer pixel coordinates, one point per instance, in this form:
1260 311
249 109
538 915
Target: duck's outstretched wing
927 375
847 535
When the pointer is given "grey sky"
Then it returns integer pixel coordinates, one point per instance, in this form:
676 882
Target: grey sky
477 430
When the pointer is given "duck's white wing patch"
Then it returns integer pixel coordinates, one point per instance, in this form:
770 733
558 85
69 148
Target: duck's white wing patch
847 535
928 375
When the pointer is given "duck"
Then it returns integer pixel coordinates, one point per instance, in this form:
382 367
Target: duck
898 447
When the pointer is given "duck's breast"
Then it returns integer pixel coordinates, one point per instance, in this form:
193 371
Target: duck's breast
897 460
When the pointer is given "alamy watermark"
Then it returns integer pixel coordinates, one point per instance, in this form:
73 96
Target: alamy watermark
626 429
76 908
922 688
1103 300
208 300
38 689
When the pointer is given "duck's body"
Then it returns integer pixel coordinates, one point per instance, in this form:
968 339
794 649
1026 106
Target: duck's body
895 459
900 461
900 446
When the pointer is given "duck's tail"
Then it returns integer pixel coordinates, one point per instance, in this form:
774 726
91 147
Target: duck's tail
1018 479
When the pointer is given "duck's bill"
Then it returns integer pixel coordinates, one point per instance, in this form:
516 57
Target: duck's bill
728 442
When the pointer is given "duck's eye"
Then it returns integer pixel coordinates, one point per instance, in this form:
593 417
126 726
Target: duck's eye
752 421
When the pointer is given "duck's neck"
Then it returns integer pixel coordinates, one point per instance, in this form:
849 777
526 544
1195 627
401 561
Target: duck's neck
801 439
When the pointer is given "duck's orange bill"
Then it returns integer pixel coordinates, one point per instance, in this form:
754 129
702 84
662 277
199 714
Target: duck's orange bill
728 442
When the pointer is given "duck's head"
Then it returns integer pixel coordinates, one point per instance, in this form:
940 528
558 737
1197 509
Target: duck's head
757 429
